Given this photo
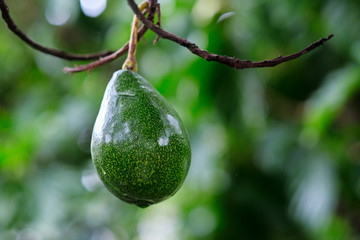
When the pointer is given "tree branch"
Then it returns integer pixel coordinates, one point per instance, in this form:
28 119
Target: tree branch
54 52
108 56
229 61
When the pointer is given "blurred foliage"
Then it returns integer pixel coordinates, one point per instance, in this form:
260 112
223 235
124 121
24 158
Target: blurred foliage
275 151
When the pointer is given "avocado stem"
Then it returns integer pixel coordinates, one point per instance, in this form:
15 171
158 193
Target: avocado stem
130 62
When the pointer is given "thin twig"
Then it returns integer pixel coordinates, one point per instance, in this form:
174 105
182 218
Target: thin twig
158 13
54 52
229 61
98 63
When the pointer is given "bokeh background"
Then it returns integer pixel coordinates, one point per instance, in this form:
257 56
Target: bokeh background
275 151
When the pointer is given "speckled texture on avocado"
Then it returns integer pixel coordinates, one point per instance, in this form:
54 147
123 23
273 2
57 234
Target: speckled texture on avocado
139 146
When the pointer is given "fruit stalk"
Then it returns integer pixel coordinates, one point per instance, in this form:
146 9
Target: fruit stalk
130 62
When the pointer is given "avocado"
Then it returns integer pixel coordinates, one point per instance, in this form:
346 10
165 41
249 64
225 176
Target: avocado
140 147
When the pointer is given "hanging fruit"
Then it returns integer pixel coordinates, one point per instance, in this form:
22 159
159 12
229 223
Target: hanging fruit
140 147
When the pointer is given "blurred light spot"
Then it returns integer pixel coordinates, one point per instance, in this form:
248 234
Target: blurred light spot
57 18
225 16
93 8
58 12
201 221
314 199
103 234
274 147
161 223
207 150
97 212
204 11
90 180
155 63
29 234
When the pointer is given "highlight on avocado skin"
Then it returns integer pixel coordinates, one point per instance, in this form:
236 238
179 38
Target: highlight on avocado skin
139 146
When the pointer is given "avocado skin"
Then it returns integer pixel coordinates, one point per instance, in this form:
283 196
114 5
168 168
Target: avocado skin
140 147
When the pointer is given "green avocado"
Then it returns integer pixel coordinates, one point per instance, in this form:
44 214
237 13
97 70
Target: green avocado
140 147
